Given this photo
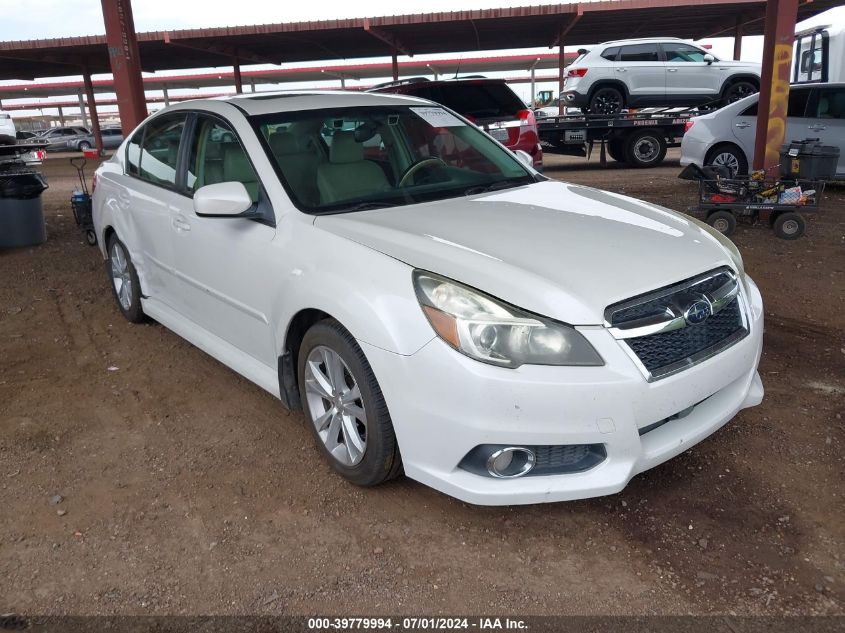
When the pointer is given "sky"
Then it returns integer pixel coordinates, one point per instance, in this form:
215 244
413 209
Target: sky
36 19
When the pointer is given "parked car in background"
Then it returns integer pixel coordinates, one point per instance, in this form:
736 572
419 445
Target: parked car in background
112 138
655 72
726 137
63 139
489 103
8 135
499 336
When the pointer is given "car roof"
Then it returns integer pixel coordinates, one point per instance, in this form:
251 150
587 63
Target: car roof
257 103
644 40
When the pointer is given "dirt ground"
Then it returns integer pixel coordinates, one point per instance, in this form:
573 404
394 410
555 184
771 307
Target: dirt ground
188 490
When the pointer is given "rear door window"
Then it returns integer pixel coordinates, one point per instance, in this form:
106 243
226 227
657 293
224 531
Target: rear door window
639 53
798 98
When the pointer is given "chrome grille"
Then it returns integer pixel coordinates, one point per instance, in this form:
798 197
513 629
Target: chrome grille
662 331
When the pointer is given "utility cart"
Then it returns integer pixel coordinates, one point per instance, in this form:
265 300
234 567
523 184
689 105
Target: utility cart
80 202
756 199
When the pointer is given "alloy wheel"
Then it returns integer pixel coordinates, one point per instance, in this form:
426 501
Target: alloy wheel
740 92
335 405
121 277
727 160
607 102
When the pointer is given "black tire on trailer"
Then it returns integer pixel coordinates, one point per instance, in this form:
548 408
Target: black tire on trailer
738 90
789 226
722 221
616 149
645 148
607 100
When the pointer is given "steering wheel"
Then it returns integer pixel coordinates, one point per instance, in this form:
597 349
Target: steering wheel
413 169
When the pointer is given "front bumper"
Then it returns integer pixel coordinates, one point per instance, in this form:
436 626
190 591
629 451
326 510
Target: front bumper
444 404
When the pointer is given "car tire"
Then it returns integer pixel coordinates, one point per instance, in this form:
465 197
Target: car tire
729 156
646 148
125 285
789 226
616 149
83 145
738 90
606 100
354 433
722 221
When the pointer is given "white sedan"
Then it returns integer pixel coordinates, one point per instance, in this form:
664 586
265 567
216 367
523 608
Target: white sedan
726 137
434 304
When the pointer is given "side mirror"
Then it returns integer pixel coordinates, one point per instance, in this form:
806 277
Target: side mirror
524 158
222 200
709 58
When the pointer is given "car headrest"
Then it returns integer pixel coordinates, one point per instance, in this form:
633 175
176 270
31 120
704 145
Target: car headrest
824 106
282 143
345 149
236 166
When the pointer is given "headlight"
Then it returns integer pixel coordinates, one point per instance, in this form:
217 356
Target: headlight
494 332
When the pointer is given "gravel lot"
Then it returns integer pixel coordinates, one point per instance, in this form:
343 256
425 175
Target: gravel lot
187 490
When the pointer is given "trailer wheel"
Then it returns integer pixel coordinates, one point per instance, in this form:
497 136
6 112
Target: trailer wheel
789 226
616 149
722 221
645 148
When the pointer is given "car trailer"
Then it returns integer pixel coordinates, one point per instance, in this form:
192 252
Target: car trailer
639 139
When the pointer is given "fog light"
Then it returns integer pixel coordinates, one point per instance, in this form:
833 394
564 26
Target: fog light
510 462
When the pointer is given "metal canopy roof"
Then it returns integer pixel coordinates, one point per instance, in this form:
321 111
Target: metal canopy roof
487 29
445 66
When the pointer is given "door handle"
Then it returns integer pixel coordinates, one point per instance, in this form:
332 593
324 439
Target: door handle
817 128
621 70
671 70
180 224
742 125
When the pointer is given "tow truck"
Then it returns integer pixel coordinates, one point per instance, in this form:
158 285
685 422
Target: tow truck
638 138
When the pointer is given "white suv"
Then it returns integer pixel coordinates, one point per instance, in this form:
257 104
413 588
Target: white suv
8 134
655 72
433 303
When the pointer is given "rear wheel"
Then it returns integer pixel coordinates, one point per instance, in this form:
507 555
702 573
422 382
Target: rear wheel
607 100
343 401
728 156
616 149
738 90
125 285
646 148
722 221
789 226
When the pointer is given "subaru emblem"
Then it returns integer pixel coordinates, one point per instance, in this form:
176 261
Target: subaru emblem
697 312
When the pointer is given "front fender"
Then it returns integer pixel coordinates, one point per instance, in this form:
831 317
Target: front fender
369 293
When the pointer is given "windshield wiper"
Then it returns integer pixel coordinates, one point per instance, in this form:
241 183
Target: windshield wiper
495 186
364 206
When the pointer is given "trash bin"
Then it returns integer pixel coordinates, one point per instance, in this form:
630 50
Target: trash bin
808 160
21 213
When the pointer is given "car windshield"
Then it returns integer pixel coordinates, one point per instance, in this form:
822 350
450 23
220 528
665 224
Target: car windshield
350 159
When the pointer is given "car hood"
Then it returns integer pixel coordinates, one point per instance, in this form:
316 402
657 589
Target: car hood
561 250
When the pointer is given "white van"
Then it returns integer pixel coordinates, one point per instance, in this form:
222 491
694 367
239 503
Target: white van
7 129
818 55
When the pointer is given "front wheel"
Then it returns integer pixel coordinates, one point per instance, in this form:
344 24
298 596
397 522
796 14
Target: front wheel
125 285
345 406
722 221
84 145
